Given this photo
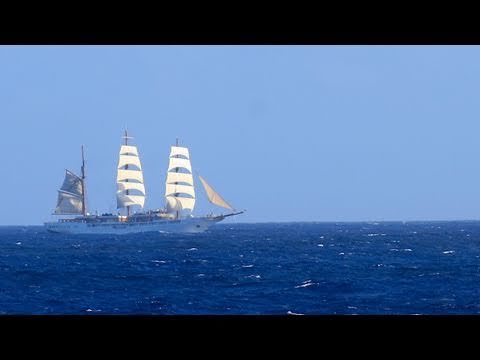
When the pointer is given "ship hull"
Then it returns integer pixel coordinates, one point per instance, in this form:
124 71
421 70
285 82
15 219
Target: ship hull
191 225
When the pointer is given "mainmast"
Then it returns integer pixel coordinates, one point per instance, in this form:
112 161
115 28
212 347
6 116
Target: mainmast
84 209
179 188
176 170
126 168
130 187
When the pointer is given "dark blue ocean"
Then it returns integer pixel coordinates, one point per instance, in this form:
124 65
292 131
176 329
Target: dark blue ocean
283 268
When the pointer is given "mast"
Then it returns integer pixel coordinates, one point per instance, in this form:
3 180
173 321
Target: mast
126 168
179 187
176 170
84 210
130 186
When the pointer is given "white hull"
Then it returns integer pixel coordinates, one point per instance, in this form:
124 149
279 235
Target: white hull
189 225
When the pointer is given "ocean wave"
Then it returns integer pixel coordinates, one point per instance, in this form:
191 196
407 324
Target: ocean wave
293 313
305 284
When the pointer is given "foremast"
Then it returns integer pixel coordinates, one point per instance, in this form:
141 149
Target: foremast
126 137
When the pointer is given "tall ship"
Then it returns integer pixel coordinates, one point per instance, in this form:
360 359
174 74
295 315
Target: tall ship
176 216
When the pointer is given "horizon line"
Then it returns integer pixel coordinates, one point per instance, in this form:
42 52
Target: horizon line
305 221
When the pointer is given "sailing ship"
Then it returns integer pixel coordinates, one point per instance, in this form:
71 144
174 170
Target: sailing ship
176 216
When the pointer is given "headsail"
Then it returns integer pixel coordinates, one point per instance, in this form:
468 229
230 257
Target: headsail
213 196
130 186
179 188
70 196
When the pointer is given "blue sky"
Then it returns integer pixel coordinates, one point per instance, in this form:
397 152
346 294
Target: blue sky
290 133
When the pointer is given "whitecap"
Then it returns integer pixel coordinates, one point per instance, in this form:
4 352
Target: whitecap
306 283
407 249
247 266
293 313
159 261
321 245
341 253
449 252
18 243
192 249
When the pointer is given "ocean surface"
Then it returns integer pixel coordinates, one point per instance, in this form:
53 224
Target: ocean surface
283 268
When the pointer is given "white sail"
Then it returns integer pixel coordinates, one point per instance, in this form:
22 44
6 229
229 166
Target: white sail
213 196
68 204
129 160
70 197
72 183
179 187
179 163
130 186
177 203
173 204
129 175
184 189
173 177
129 200
128 150
179 150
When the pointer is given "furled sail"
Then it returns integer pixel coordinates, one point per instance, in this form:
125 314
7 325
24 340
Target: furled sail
179 188
130 186
213 196
70 198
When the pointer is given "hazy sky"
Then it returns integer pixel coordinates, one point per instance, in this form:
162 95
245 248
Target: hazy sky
290 133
